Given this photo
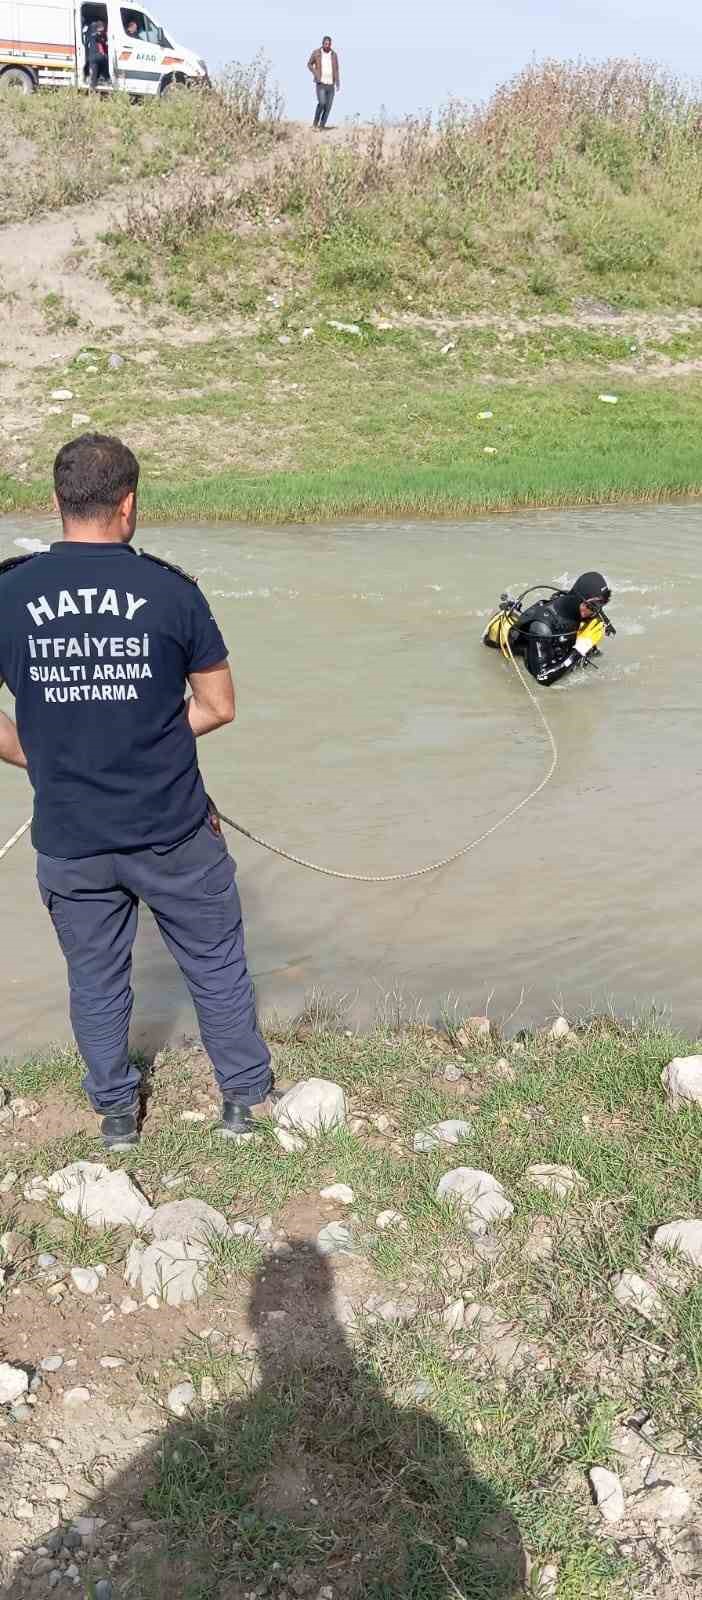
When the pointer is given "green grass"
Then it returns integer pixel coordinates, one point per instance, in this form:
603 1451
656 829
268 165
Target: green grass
249 430
308 1448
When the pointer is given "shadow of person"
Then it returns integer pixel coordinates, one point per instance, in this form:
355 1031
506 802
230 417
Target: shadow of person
315 1484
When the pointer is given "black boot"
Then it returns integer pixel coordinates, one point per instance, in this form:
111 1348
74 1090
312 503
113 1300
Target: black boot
237 1121
120 1129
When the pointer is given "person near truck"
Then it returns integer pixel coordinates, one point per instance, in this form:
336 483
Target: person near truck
324 66
98 646
97 53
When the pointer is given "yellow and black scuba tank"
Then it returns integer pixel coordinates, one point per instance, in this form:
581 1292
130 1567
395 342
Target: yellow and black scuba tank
496 634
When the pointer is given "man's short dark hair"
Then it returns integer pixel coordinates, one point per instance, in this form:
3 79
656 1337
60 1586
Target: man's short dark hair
328 37
92 475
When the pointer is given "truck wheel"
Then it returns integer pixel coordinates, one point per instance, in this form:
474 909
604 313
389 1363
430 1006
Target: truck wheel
173 87
16 80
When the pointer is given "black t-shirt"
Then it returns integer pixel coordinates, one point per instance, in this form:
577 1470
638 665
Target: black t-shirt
96 643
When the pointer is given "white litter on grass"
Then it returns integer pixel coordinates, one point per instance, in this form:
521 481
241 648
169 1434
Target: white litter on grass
343 327
447 348
489 450
609 399
485 416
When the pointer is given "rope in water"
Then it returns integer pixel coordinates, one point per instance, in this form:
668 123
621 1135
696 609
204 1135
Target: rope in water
418 872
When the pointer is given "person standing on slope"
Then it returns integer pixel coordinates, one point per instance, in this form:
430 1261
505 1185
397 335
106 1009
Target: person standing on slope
324 66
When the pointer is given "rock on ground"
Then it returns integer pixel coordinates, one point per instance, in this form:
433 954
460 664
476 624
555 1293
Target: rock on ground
608 1493
391 1219
334 1239
559 1029
85 1279
480 1196
451 1132
453 1316
180 1399
555 1180
192 1221
682 1079
308 1110
169 1271
341 1192
104 1199
667 1503
13 1383
684 1235
633 1293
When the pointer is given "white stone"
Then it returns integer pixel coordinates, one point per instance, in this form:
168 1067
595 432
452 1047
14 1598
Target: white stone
480 1196
307 333
309 1109
62 394
23 1511
8 1182
170 1272
36 1190
85 1280
181 1398
13 1383
115 362
608 1493
684 1236
447 348
442 1133
128 1306
104 1199
335 1239
559 1029
111 1363
453 1316
52 1363
340 1192
472 1031
390 1219
76 1397
343 327
193 1116
21 1108
633 1293
193 1221
79 419
284 338
667 1503
57 1491
557 1181
682 1079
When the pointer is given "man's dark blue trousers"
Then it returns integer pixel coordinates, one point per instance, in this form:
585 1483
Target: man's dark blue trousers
191 889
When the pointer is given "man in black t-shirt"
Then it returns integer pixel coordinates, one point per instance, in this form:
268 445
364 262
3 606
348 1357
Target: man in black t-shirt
97 644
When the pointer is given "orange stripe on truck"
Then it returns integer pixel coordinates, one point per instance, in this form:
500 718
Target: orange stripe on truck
36 45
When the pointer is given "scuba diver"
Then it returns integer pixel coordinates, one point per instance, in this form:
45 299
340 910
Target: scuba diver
556 634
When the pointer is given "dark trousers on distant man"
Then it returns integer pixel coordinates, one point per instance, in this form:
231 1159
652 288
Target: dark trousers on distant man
325 101
98 70
191 889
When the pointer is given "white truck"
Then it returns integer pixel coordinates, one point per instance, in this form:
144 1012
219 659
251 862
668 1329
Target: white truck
43 44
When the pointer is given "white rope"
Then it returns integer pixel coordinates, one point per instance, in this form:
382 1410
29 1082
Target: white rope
15 838
393 877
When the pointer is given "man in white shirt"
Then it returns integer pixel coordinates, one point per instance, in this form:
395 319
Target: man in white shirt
324 66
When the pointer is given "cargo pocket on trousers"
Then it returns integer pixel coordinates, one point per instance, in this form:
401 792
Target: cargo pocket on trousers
59 911
220 899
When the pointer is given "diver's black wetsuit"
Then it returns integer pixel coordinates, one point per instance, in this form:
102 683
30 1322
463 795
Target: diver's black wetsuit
545 636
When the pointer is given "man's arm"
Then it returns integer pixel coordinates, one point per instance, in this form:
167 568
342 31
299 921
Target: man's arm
312 63
10 748
212 703
337 78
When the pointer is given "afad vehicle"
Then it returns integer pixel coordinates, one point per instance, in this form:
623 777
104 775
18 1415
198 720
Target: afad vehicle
44 46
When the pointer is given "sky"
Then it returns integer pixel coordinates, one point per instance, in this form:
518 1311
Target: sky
407 56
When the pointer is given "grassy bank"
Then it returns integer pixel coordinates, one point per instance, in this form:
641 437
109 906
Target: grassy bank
345 1425
378 424
522 259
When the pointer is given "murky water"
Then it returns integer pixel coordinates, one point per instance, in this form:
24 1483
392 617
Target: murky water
375 734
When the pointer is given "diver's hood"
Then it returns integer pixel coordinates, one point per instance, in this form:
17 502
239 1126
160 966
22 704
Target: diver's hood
591 586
